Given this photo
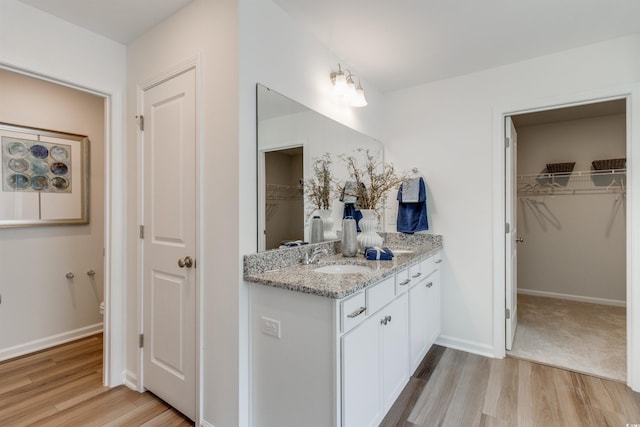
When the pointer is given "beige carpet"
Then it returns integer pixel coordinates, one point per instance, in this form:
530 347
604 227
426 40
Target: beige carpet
582 337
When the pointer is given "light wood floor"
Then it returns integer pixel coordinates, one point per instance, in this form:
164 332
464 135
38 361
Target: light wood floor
62 386
454 388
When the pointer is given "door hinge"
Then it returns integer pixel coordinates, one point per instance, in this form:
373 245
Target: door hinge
508 313
141 341
142 231
507 228
507 142
140 122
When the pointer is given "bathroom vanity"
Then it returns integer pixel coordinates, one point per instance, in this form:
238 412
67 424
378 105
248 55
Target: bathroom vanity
331 349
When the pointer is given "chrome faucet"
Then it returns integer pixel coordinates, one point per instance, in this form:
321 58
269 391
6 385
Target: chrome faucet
314 256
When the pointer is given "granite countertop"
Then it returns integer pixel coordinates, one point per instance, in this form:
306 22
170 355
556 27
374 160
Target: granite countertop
291 274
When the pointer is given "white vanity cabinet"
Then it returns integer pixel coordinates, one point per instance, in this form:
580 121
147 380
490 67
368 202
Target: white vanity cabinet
319 361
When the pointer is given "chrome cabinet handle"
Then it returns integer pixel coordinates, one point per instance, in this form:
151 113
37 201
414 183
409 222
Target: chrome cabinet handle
438 261
357 313
185 262
418 274
406 282
430 284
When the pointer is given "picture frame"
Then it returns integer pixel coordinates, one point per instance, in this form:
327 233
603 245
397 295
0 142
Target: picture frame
45 177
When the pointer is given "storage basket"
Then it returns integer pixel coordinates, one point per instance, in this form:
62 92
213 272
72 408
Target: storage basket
609 164
560 167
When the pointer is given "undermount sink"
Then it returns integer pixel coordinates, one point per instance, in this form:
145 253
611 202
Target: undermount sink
342 269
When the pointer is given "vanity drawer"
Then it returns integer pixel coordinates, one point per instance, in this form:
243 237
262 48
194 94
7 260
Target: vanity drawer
430 265
380 295
353 310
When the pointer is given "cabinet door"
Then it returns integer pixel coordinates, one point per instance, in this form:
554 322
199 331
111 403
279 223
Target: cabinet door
434 308
395 349
419 322
360 375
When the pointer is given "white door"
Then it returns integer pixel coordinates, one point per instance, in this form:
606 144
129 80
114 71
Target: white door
511 234
169 293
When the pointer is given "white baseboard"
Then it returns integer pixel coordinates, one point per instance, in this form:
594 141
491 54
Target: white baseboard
51 341
203 423
464 345
569 297
131 380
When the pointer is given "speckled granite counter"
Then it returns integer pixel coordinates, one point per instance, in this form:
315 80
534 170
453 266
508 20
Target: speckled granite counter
281 268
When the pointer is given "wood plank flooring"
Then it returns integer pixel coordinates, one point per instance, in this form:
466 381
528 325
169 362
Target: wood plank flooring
62 386
454 388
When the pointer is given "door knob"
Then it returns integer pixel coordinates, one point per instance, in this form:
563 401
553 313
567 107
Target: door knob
185 262
520 240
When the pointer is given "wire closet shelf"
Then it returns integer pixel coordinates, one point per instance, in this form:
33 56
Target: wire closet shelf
577 182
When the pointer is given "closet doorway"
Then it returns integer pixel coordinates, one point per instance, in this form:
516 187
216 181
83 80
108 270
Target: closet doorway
571 227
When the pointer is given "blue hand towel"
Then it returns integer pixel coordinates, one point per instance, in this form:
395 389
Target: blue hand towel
377 253
412 217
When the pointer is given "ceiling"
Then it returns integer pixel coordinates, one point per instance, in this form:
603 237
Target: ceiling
119 20
395 44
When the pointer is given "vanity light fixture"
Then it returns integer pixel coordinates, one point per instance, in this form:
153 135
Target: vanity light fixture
345 87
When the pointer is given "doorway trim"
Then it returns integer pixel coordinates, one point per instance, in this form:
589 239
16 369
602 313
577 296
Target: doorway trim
114 342
632 95
262 196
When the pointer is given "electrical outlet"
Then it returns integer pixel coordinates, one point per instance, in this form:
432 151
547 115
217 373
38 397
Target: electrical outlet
270 327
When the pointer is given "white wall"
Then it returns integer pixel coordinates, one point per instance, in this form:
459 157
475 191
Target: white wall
446 129
37 298
208 29
39 43
574 244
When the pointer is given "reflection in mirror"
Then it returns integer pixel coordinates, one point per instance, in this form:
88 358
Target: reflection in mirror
290 138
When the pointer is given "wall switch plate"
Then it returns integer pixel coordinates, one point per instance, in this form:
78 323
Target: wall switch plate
270 326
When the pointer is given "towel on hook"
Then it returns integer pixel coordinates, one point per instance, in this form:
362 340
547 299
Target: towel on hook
412 217
377 253
349 193
411 190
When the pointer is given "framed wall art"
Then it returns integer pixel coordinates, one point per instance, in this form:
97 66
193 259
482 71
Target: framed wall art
45 177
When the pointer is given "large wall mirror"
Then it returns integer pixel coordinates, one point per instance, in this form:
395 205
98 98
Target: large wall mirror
290 138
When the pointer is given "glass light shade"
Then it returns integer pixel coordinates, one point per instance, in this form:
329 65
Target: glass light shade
350 95
340 84
359 100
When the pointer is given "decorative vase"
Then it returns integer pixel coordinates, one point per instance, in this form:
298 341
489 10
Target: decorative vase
327 224
368 224
349 242
317 230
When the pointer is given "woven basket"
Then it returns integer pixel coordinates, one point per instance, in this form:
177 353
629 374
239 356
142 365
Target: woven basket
609 164
560 167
